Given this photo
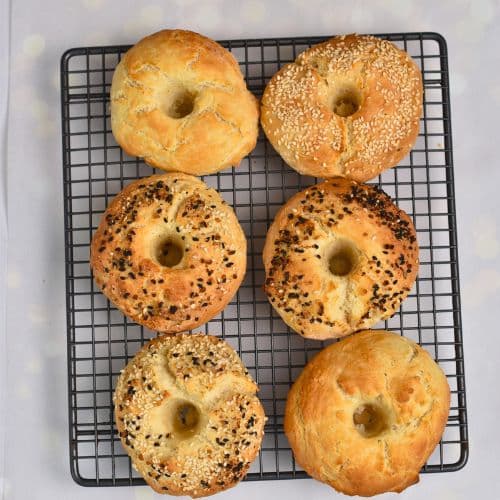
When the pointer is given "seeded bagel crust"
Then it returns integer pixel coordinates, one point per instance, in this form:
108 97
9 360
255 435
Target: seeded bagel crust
176 207
155 77
298 117
334 216
198 370
371 369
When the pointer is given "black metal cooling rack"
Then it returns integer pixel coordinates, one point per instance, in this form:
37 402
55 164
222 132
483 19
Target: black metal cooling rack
101 340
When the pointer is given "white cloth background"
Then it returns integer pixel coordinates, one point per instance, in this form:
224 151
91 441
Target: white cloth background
4 80
36 450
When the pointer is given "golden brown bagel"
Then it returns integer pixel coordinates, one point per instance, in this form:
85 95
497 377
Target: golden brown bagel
188 415
339 257
350 106
179 100
169 252
367 412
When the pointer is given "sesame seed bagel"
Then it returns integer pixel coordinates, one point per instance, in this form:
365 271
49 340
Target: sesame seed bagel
339 256
179 100
350 106
366 413
188 415
169 252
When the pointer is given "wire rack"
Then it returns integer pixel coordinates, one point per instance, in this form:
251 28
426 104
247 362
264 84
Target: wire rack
101 340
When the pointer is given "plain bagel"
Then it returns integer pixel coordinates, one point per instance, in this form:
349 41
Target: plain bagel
169 252
188 415
339 257
179 100
367 412
350 106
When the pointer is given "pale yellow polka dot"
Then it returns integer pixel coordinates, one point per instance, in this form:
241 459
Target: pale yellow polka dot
151 14
93 4
143 493
34 45
13 279
24 391
34 365
97 38
361 17
45 122
253 12
37 314
75 79
486 12
482 288
47 128
5 487
399 9
486 245
148 20
51 440
207 18
133 30
39 109
56 80
474 22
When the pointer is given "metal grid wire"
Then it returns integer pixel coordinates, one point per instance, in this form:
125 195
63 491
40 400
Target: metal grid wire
101 340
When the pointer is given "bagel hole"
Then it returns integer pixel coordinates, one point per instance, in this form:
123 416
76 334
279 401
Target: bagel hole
346 102
343 259
370 420
181 104
169 252
186 419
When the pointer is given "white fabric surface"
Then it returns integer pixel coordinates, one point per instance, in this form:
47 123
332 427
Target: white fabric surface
4 81
36 449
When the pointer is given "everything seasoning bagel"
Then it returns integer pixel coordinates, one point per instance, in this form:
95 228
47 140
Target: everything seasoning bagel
339 256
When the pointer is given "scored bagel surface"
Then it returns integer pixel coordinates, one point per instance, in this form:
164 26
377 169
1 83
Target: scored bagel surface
179 100
188 415
339 222
366 413
169 213
350 106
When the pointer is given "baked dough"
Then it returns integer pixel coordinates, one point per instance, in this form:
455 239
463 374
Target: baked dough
188 415
350 106
339 257
367 412
169 252
179 100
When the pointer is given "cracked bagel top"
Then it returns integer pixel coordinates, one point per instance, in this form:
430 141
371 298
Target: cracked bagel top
339 257
188 415
349 106
366 413
179 100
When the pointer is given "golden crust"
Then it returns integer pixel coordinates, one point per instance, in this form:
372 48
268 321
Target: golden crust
223 125
309 229
371 367
198 370
183 209
297 108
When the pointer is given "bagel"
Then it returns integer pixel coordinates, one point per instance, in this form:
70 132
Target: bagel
366 413
339 257
188 415
179 100
350 106
169 252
